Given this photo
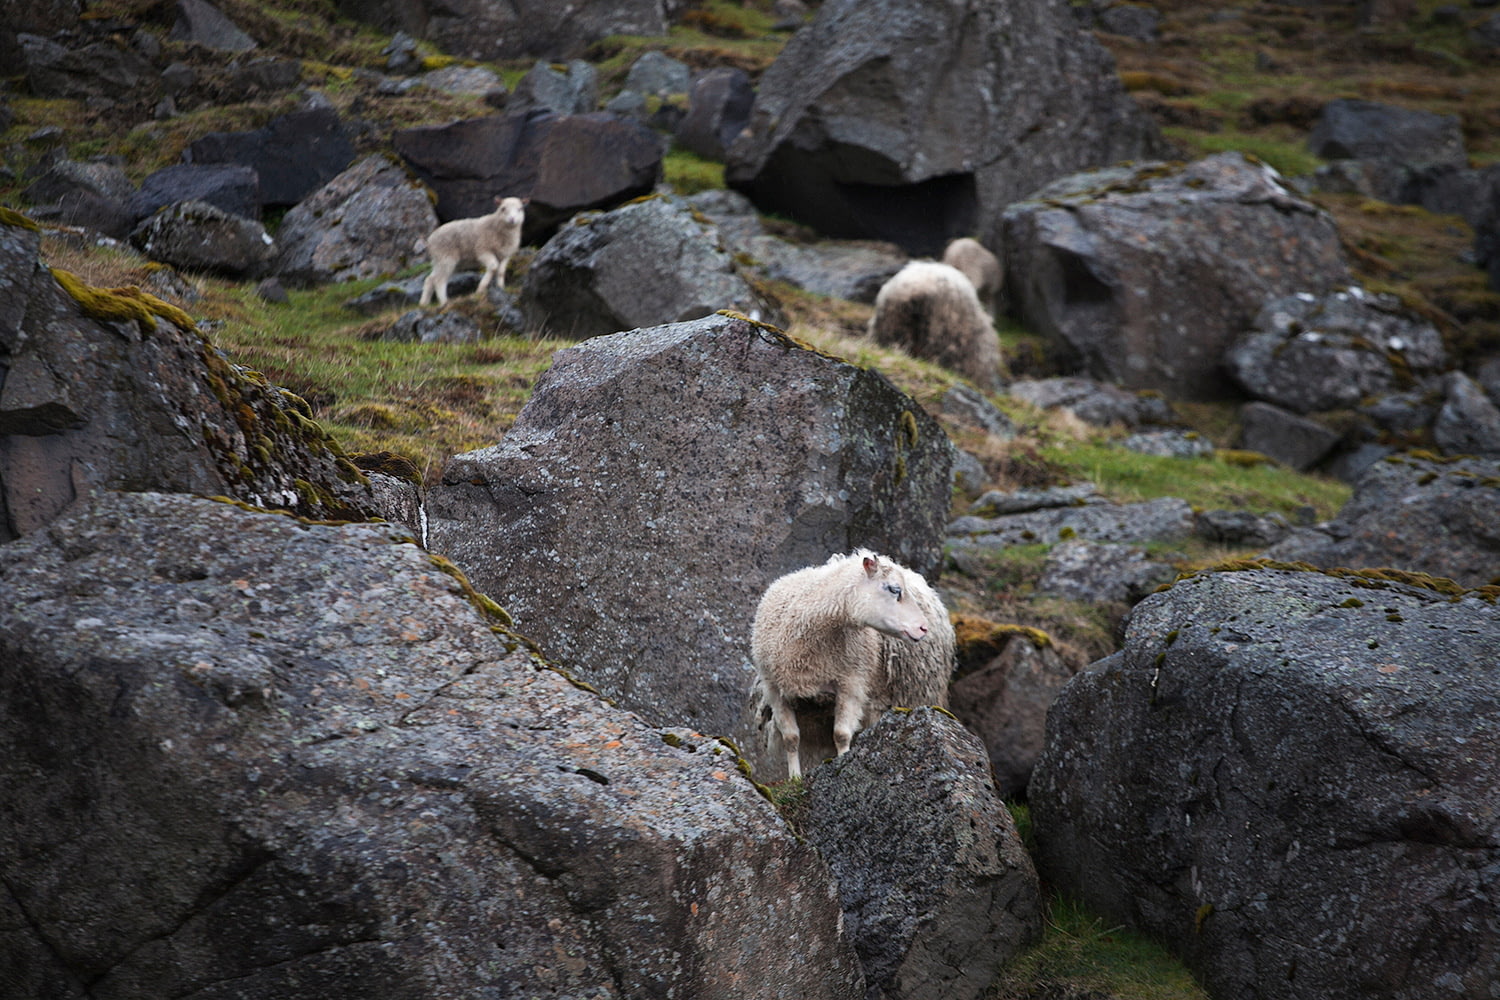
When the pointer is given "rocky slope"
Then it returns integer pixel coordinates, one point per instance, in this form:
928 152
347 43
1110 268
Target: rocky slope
326 764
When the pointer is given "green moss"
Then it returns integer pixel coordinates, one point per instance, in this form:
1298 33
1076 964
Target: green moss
10 217
122 305
484 604
388 463
1369 579
1241 458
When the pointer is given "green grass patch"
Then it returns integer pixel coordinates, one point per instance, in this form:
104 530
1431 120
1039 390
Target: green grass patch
423 401
1086 952
1288 155
689 173
1206 483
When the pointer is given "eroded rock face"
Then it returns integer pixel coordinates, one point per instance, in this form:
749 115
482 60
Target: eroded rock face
197 236
563 163
919 122
363 223
293 155
141 401
248 756
1306 352
935 884
1144 275
657 481
1370 130
643 264
1413 513
1293 780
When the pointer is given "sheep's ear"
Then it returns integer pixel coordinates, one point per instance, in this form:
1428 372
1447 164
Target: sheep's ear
871 566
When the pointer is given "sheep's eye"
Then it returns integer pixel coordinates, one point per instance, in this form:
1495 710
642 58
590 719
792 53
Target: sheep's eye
894 590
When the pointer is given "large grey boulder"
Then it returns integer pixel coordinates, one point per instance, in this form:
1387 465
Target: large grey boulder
1143 275
293 155
1308 352
119 390
1352 129
938 892
93 195
719 107
1415 513
196 236
246 756
232 187
96 69
199 22
1294 780
919 122
362 224
506 29
657 481
644 264
1469 421
1287 437
565 164
571 90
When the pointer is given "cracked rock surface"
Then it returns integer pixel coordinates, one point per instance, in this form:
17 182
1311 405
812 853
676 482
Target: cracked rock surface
1295 778
243 755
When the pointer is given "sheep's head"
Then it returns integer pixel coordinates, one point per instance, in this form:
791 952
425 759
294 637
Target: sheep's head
883 603
512 210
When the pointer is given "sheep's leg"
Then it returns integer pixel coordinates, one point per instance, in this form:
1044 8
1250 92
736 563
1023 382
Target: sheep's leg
442 270
492 266
848 713
785 719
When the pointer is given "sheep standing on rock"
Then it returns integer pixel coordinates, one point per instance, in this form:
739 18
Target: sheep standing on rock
981 267
931 311
860 630
490 240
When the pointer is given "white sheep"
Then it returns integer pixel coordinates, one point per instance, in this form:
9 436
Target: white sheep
931 311
981 267
859 630
490 240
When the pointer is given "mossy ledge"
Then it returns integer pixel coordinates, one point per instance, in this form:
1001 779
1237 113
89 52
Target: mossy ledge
1370 579
122 305
10 217
972 631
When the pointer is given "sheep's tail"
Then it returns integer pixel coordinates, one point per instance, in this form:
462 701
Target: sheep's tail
420 246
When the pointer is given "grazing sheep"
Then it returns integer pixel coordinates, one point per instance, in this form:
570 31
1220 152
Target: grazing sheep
981 267
490 240
859 630
931 311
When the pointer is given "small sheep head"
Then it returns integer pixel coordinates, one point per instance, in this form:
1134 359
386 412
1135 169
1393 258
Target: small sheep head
884 608
511 210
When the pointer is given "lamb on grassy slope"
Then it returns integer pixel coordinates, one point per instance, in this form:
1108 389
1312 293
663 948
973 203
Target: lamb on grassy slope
931 311
859 629
491 240
981 267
